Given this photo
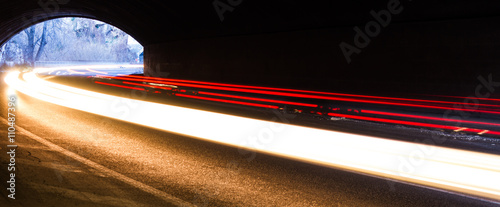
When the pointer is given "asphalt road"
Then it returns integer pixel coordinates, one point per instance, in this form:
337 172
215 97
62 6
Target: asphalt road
67 157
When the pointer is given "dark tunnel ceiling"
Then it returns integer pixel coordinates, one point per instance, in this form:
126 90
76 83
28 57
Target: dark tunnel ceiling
154 21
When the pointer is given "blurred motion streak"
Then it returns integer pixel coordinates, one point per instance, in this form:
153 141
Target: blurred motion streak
426 117
303 91
228 101
120 86
454 170
258 99
299 95
323 110
411 123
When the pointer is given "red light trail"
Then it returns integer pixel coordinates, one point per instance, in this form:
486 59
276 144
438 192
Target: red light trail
427 117
301 91
391 121
228 101
120 86
298 95
361 114
353 152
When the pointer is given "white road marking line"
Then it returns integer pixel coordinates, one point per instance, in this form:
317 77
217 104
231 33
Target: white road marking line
461 129
111 173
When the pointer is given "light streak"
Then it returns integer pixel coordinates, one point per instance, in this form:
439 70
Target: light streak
95 71
258 99
76 72
228 101
485 131
11 91
454 170
410 123
231 96
298 95
427 117
146 85
391 121
145 78
463 97
120 86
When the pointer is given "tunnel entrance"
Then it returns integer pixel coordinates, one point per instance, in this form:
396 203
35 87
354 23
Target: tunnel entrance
429 47
70 41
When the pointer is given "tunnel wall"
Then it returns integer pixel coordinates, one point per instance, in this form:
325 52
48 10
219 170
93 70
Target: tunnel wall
428 46
429 56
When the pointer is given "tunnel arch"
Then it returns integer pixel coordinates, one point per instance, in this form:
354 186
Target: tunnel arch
252 44
156 21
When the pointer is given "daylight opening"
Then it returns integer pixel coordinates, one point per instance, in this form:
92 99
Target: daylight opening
70 41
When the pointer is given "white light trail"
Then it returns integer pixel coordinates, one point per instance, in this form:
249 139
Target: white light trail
84 67
455 170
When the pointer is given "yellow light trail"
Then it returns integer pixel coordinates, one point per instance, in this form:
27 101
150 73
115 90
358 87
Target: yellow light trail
454 170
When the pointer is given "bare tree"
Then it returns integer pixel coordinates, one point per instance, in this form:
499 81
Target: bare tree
30 48
43 42
33 53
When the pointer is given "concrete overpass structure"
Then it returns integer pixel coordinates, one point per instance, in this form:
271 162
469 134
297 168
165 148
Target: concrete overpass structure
370 46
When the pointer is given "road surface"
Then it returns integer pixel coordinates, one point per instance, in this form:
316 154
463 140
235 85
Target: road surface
67 157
